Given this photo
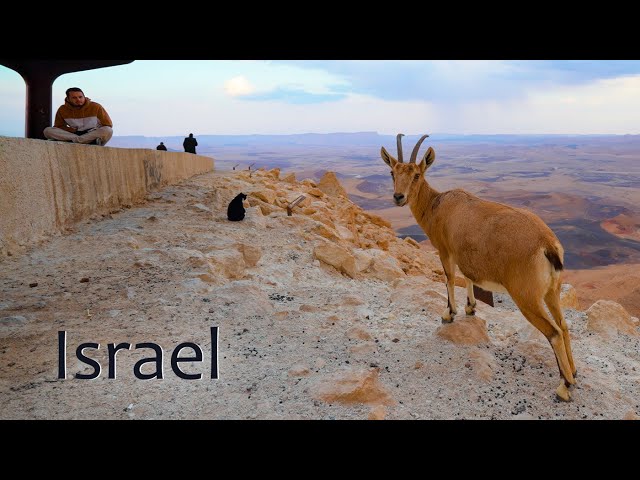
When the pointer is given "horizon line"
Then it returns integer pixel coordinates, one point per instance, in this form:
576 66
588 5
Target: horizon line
391 134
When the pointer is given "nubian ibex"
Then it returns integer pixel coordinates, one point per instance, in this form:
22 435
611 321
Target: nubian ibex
497 247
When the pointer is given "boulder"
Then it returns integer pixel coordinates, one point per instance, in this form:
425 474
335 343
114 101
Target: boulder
337 257
255 215
289 178
325 232
609 318
251 253
316 192
384 267
330 185
267 196
464 331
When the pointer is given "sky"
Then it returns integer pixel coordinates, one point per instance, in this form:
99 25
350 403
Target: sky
227 97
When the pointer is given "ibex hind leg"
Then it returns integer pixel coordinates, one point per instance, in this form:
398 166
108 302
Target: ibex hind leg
470 307
538 318
450 275
552 299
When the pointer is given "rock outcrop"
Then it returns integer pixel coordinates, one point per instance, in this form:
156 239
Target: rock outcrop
323 314
610 318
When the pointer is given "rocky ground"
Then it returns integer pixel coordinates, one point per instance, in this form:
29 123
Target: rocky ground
321 315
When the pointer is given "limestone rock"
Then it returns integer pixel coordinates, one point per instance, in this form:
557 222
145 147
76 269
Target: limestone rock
482 363
326 232
337 257
227 263
384 267
251 253
308 211
354 386
568 297
609 318
377 220
363 259
323 218
267 196
345 233
255 216
316 192
412 242
464 331
274 173
289 178
309 183
330 185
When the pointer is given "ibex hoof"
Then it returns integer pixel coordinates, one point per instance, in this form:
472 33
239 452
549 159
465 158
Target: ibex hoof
448 319
470 310
563 393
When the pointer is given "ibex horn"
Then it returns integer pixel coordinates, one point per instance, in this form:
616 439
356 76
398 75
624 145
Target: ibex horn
414 154
399 140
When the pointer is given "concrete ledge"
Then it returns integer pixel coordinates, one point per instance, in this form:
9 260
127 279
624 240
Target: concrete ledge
45 186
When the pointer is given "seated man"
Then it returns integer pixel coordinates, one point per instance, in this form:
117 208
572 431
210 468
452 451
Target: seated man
80 120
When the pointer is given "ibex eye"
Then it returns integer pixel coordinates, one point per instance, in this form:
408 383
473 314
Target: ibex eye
416 176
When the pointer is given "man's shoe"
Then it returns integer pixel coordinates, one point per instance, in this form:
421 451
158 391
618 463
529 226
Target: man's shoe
98 142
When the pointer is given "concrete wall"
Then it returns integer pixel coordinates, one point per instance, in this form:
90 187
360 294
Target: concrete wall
47 186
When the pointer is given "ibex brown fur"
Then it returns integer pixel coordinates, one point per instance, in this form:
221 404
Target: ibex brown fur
495 246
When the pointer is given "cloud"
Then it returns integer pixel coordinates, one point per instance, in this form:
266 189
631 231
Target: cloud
296 96
238 86
459 81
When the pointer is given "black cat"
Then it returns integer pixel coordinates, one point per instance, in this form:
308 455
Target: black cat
235 210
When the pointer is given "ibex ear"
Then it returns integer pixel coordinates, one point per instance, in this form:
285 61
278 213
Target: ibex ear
428 159
388 159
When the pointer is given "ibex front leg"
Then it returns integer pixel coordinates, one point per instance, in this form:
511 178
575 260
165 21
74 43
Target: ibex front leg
450 273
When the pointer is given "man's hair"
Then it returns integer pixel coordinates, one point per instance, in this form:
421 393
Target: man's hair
73 89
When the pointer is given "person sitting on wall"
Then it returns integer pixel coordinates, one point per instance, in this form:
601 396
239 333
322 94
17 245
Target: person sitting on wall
80 120
161 147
